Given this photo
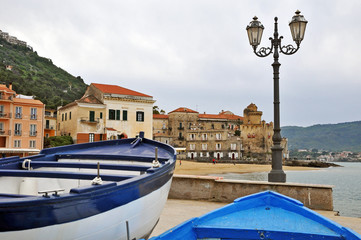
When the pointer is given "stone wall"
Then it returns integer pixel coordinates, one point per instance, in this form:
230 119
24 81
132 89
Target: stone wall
219 190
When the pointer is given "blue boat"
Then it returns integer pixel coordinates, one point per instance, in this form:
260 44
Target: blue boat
265 215
102 190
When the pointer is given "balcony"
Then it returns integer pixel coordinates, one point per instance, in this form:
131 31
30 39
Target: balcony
5 115
18 115
88 120
180 128
5 132
33 117
49 127
181 138
17 132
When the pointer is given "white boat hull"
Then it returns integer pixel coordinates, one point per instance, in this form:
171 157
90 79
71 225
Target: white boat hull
141 215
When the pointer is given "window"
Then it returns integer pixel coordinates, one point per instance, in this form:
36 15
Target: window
218 136
192 136
47 124
66 116
2 114
32 144
204 136
204 146
17 129
47 135
91 137
2 128
111 114
192 146
62 117
218 146
212 126
69 115
101 115
125 115
33 130
33 115
233 146
140 116
118 115
17 143
18 112
91 116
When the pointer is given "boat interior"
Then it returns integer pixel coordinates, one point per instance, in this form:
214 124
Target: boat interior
70 173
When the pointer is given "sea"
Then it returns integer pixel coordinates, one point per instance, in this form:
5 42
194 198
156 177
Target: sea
346 181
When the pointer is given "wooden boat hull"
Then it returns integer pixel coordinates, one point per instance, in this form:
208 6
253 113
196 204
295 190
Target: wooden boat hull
266 215
126 205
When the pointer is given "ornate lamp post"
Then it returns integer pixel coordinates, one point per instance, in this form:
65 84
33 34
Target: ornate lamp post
255 30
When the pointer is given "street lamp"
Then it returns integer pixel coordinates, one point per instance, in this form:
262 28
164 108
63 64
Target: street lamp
255 30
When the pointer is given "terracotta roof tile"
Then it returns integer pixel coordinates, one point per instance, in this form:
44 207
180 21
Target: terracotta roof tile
183 109
27 101
89 99
160 116
118 90
5 88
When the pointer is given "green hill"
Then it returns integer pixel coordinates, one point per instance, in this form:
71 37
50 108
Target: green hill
331 137
38 76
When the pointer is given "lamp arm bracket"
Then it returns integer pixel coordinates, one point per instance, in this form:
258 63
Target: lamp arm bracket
263 51
288 49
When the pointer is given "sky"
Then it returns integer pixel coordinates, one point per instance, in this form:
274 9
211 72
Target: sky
196 54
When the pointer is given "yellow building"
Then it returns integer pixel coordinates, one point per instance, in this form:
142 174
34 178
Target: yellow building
107 112
83 120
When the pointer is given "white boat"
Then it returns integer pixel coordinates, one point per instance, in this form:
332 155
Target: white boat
103 190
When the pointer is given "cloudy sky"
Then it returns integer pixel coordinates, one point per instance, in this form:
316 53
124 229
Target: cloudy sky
195 54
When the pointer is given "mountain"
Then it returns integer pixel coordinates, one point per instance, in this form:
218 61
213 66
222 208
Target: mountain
331 137
33 75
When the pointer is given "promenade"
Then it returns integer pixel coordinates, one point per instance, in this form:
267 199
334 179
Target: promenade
177 211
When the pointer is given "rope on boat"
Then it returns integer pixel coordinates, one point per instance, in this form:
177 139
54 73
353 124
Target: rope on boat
28 167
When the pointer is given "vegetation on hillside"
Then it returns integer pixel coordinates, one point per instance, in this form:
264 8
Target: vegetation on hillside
329 137
38 76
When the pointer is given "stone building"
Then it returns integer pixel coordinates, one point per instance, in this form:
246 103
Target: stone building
204 136
223 136
257 135
106 112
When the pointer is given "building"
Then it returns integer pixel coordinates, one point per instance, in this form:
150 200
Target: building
50 123
223 136
106 112
21 123
257 135
204 136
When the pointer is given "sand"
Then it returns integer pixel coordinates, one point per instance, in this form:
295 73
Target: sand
197 168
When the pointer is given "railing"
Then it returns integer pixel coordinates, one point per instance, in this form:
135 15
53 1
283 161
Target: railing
87 120
33 134
49 127
5 115
180 128
5 132
18 115
17 132
33 116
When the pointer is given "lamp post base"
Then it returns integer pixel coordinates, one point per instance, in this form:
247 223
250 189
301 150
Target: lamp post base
277 176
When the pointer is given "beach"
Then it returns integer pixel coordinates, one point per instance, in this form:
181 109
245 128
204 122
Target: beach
204 169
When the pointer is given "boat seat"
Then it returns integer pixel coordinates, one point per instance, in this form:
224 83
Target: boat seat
61 174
